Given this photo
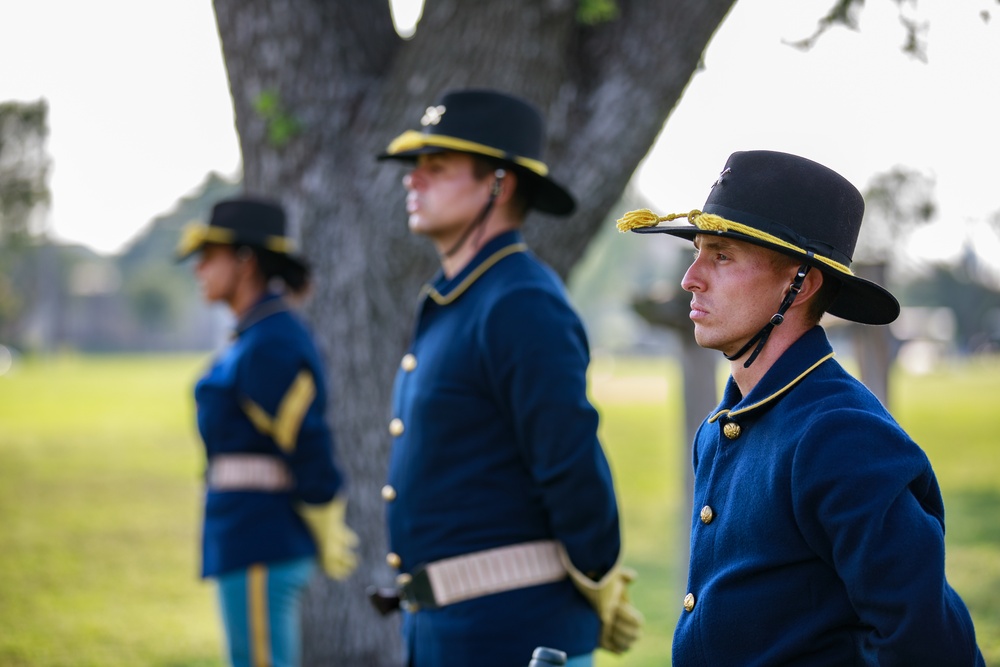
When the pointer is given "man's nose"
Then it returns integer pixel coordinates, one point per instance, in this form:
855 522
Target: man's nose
411 180
690 281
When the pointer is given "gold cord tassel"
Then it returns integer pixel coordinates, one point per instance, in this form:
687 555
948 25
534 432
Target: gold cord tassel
636 219
646 218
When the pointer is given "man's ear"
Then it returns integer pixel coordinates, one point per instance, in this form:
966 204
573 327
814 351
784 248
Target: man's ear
810 286
246 260
507 186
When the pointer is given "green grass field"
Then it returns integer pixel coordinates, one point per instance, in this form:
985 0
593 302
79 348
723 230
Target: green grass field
99 497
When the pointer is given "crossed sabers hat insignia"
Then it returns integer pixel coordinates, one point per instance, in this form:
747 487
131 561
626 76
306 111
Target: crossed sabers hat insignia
433 115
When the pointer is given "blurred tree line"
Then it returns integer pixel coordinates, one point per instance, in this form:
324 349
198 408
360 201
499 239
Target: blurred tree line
55 295
24 199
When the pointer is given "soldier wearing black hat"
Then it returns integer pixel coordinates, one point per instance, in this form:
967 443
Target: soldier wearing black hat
818 531
273 501
499 496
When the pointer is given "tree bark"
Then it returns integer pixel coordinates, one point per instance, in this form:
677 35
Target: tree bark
336 72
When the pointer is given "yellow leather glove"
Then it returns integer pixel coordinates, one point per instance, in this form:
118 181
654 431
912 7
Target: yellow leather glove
334 539
621 623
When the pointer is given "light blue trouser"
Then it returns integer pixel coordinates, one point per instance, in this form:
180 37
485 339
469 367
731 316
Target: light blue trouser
260 612
581 661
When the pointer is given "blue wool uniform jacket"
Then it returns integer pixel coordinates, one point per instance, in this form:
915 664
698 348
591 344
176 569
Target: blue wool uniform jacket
818 531
499 446
265 394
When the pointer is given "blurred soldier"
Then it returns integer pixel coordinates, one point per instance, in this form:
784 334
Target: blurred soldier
497 481
271 503
818 531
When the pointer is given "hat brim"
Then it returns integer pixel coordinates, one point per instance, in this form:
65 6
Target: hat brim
196 236
543 193
859 300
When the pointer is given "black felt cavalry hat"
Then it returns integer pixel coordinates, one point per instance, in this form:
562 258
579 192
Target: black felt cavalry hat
794 206
491 124
250 221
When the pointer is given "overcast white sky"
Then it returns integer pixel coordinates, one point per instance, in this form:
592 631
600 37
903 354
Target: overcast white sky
139 106
140 110
854 102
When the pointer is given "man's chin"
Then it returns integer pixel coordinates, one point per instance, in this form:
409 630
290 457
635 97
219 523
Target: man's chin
710 344
704 339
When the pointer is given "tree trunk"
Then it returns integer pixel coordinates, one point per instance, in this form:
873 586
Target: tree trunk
334 77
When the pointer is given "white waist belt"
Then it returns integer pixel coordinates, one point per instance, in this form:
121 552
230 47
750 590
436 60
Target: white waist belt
248 472
495 571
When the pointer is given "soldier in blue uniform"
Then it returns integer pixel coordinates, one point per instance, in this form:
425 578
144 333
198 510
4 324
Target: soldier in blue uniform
274 494
502 517
817 536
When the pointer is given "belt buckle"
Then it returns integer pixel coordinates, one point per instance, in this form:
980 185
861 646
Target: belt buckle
415 590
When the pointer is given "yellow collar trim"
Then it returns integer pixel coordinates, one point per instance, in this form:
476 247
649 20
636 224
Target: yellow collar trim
413 140
713 418
442 300
714 223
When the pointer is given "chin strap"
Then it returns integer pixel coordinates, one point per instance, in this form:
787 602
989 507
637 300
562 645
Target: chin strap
776 319
475 224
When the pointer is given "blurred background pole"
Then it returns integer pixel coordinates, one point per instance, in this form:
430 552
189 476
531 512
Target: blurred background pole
699 392
874 346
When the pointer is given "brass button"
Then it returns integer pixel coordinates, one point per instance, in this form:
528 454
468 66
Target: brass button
388 493
689 602
393 559
707 513
396 427
731 430
403 578
408 363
